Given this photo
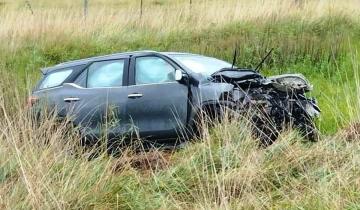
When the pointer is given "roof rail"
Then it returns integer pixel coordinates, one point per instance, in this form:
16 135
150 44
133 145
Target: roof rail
46 70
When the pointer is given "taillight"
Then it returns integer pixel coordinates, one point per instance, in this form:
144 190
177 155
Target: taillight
32 100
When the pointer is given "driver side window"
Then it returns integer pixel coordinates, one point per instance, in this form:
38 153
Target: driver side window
150 70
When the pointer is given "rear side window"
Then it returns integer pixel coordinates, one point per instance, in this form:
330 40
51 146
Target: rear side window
106 74
55 79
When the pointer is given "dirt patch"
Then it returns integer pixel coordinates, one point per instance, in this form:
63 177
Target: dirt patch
144 161
352 132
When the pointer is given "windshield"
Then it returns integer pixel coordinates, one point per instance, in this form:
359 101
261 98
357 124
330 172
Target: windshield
201 64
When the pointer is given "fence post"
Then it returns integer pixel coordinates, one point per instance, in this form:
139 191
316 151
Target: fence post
190 6
86 5
299 3
141 8
28 4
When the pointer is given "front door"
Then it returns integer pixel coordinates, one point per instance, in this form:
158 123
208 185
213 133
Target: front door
157 103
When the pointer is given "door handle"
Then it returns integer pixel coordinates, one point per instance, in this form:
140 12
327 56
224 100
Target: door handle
71 99
135 95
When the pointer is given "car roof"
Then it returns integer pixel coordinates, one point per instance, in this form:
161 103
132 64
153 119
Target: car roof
91 59
110 56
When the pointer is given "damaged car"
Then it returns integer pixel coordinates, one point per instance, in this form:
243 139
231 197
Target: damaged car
157 96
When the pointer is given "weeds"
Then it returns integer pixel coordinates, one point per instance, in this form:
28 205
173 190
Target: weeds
43 167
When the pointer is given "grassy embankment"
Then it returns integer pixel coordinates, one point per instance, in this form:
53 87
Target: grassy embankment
226 169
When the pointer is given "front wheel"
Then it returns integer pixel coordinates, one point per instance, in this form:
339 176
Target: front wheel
308 130
264 129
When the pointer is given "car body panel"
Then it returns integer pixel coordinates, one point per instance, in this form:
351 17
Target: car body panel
161 111
164 111
98 109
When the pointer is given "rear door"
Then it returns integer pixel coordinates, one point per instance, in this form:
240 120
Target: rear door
157 103
46 93
97 99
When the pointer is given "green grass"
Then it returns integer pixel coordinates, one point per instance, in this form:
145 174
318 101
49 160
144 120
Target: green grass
227 169
323 50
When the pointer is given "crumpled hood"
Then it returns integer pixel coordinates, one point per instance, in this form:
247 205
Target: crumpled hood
232 74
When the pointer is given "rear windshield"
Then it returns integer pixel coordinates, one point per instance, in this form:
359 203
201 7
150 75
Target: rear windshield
55 79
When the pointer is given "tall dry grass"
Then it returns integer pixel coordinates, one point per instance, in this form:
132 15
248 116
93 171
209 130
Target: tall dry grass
19 26
42 166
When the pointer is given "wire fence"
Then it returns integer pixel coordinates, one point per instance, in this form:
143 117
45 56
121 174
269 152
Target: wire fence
86 4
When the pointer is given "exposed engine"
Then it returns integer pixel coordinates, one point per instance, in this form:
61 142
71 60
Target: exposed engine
273 104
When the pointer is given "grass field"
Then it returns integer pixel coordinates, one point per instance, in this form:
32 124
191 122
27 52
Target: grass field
226 170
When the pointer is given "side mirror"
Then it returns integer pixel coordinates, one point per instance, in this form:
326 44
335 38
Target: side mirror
178 75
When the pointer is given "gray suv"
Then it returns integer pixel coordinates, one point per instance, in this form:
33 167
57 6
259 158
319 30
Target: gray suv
158 95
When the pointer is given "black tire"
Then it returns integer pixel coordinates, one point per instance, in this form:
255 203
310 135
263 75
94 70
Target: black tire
308 130
208 116
264 130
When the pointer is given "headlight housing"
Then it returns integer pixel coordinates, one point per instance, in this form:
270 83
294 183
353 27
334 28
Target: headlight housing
295 81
